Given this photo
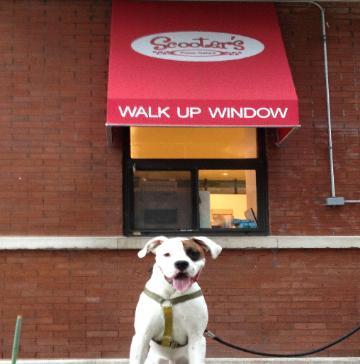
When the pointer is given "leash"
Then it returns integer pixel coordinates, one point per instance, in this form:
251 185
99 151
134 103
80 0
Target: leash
212 336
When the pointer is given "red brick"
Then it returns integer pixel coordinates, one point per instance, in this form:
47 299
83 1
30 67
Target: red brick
312 299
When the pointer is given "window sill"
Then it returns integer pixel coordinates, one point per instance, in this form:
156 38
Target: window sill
227 242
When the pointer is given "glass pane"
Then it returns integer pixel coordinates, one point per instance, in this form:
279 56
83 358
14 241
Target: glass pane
228 199
162 200
193 143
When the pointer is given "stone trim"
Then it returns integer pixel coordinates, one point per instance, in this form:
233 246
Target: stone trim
122 242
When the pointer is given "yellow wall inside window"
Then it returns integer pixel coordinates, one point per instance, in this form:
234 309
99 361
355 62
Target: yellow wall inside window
236 203
192 143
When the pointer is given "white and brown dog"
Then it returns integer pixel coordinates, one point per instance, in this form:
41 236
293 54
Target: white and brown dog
171 315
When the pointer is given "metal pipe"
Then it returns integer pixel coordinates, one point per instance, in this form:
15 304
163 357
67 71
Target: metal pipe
333 200
16 342
327 91
328 103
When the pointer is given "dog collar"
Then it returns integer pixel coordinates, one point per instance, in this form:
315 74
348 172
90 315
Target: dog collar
166 305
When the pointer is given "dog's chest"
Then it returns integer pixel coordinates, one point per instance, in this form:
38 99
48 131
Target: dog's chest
186 318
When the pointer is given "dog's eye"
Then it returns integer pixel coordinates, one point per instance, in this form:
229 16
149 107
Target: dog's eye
166 254
193 254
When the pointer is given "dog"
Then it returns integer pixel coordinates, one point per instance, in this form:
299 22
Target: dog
171 315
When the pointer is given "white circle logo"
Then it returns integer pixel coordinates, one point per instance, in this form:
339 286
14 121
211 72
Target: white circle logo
197 46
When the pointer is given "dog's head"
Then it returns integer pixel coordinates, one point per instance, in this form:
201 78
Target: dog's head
180 259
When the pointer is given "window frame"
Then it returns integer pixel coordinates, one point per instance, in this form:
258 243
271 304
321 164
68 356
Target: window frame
194 165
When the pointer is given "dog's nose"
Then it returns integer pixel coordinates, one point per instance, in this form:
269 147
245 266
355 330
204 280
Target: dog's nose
181 265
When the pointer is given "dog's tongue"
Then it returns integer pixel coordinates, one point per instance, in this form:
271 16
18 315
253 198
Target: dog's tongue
182 283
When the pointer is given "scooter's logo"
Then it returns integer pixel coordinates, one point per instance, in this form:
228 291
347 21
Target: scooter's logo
197 46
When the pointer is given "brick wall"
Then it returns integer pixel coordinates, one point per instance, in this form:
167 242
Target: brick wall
81 304
58 177
299 175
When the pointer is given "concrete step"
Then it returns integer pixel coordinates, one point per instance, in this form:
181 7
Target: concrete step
208 361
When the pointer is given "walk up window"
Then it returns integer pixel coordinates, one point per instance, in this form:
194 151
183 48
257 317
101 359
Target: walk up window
196 84
196 180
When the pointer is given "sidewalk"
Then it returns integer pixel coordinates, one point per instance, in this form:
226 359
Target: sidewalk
210 361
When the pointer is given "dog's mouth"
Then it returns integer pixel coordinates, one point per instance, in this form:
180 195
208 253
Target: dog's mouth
181 281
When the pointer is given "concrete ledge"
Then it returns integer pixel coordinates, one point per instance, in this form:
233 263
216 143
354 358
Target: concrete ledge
227 242
210 361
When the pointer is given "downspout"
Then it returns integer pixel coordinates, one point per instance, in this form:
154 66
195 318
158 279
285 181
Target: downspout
328 104
333 200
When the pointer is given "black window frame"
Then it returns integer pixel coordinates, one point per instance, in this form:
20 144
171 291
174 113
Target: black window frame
258 164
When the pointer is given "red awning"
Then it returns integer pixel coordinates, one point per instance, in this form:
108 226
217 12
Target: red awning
199 64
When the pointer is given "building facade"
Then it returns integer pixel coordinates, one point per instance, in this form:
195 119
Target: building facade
68 262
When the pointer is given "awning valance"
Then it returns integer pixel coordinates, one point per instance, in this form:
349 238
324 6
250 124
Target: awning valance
199 64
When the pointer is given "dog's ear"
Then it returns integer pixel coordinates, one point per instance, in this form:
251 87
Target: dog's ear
209 245
151 245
